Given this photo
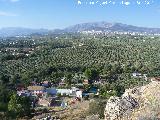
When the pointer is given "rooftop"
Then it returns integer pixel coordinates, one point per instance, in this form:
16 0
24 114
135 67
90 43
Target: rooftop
156 79
36 88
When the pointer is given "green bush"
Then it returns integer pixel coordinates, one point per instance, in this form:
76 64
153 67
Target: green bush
3 107
97 108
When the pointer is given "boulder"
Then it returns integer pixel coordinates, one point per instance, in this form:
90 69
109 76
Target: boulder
119 106
140 102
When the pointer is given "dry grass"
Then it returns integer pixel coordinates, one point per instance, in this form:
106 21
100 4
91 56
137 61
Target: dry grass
74 112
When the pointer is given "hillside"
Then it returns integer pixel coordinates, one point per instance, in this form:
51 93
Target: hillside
109 61
123 54
141 103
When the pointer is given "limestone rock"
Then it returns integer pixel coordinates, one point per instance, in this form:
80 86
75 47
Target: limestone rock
135 103
117 107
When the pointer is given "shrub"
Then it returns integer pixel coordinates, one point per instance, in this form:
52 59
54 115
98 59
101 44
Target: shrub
97 108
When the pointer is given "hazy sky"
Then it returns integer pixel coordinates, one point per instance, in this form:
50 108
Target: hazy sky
62 13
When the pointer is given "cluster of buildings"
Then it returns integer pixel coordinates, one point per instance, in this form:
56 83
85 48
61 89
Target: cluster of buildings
18 51
44 95
144 76
139 75
94 32
47 95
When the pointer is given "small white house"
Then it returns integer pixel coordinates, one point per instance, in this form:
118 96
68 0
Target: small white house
64 91
70 92
36 90
79 94
24 93
135 74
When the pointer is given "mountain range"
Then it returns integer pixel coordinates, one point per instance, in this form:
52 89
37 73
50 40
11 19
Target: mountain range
96 26
18 31
112 27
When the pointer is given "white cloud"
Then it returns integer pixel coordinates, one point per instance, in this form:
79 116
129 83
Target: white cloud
14 0
138 2
9 0
2 13
147 2
127 3
79 2
113 3
104 3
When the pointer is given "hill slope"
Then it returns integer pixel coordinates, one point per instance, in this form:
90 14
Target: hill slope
135 104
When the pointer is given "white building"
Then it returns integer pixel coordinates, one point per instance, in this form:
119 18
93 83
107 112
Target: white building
79 94
70 92
64 91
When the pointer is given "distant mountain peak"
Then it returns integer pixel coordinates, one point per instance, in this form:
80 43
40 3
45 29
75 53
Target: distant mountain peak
106 26
90 26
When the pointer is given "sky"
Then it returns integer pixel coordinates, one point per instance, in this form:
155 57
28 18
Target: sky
53 14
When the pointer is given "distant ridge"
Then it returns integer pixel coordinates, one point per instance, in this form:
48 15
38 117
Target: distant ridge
112 27
92 26
19 31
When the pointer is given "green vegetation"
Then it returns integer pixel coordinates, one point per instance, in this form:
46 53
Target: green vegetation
11 104
112 59
97 108
109 55
19 106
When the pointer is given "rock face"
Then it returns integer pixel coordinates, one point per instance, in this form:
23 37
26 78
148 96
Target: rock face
117 107
134 102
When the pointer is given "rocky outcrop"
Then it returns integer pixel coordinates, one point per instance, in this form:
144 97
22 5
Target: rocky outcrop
134 103
92 117
117 107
